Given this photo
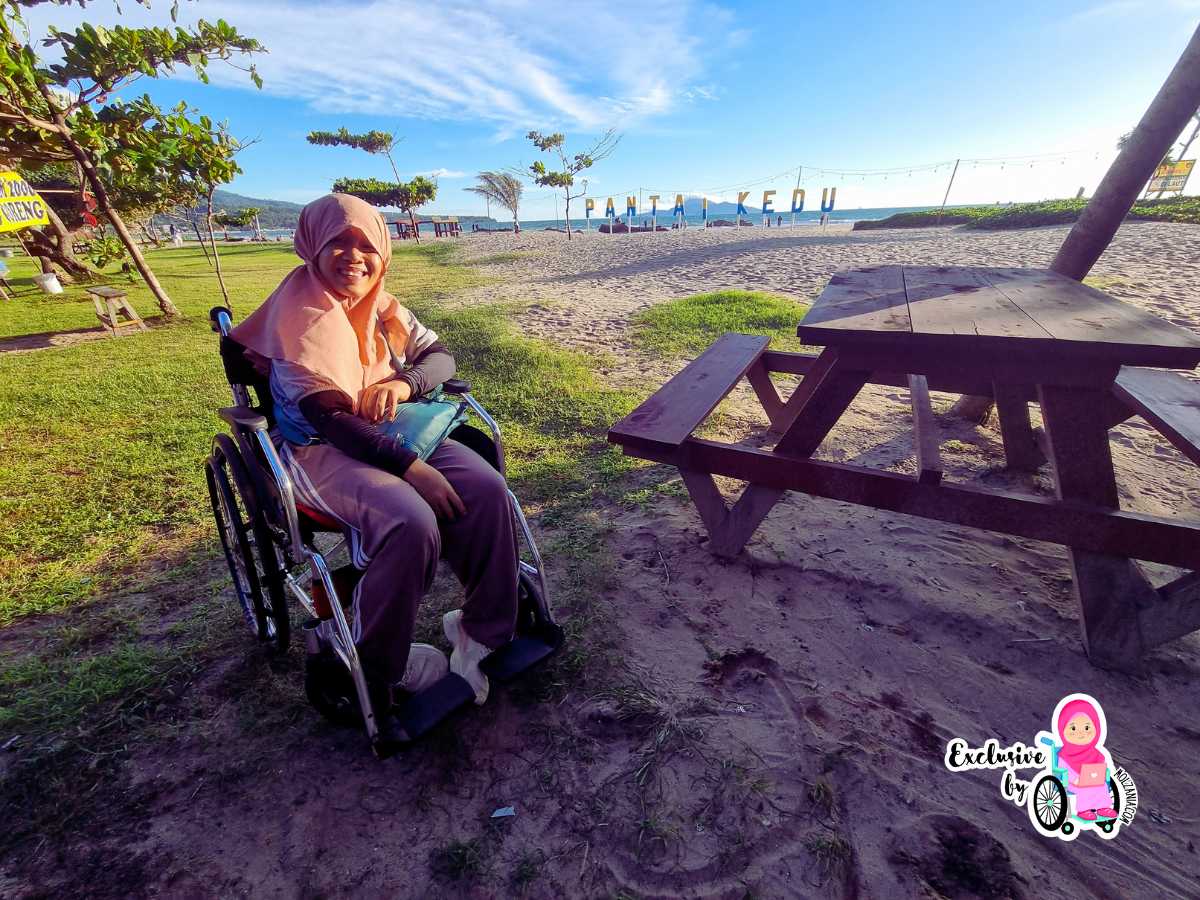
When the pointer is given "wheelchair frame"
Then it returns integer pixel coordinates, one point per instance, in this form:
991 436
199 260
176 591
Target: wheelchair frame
258 477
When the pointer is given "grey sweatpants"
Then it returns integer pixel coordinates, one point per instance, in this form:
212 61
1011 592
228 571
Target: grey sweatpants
395 536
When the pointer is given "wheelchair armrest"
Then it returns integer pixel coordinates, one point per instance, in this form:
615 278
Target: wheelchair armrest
243 417
456 386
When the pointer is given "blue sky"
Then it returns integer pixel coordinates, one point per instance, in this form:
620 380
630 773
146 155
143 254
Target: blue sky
709 96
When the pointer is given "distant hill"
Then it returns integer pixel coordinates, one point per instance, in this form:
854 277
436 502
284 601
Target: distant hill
282 214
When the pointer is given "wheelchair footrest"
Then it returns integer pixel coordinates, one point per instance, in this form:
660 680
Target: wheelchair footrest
421 712
519 655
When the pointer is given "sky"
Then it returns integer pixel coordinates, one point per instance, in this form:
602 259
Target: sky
709 97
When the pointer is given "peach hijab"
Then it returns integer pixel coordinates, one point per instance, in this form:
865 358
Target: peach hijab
304 322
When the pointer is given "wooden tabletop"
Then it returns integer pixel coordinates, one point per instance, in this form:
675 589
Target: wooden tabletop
993 311
110 293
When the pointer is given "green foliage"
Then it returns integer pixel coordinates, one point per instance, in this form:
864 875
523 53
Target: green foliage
406 196
500 188
689 325
569 167
1033 215
954 215
106 250
371 141
237 219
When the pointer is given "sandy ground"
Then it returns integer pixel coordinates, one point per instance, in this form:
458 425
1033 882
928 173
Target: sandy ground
803 693
850 644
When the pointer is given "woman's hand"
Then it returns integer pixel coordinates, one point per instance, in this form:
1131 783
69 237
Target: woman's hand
435 490
379 401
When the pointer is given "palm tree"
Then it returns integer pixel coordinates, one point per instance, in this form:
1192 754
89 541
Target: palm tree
502 189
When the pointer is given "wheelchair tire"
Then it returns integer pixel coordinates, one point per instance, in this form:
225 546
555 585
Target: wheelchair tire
235 542
255 566
1050 803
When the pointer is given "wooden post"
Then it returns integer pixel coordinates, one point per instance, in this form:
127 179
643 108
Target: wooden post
1176 102
1166 117
947 196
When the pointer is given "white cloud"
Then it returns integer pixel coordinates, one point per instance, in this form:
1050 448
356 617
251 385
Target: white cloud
513 64
443 173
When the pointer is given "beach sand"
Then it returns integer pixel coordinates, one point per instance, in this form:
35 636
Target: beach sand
836 657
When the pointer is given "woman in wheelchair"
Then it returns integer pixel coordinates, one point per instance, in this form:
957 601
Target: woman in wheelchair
342 354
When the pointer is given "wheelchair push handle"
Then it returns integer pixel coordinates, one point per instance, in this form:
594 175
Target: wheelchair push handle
222 321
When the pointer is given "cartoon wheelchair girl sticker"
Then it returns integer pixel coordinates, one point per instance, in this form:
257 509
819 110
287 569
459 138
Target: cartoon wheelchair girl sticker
1080 789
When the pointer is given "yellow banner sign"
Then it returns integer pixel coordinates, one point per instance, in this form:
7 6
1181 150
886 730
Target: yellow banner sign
20 205
1172 176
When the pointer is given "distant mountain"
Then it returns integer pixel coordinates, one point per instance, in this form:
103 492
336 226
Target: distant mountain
282 214
275 213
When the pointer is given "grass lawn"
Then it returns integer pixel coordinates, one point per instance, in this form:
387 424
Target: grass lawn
687 326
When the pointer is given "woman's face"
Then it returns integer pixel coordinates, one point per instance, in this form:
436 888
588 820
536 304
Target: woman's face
1080 729
350 265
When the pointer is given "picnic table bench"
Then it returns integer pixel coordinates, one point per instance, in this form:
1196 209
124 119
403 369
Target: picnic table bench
1017 335
114 310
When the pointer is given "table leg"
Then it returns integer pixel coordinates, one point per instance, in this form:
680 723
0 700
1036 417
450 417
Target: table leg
812 411
1110 589
1020 446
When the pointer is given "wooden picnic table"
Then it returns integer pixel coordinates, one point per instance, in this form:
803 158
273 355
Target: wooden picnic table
1018 335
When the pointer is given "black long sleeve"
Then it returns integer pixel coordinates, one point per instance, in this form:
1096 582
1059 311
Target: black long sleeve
332 414
433 366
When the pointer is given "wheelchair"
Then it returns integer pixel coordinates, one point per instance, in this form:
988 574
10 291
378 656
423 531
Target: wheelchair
1051 801
270 540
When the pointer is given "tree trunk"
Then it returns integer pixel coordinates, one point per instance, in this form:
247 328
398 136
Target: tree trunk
1167 115
1165 118
217 256
200 238
412 219
567 213
49 253
516 224
101 194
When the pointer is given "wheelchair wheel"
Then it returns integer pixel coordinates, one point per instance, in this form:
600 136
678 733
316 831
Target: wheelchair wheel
1050 803
253 559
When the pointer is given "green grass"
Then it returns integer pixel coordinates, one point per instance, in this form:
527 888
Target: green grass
1034 215
103 442
687 326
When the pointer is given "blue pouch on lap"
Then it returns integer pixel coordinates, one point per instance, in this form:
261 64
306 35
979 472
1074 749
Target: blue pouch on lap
423 423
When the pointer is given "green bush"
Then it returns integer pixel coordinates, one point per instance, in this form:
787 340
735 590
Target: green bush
1035 215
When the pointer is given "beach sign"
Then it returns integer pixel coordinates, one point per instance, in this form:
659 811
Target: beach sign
588 205
631 209
20 205
797 195
704 210
767 211
654 211
678 213
829 194
1171 176
741 206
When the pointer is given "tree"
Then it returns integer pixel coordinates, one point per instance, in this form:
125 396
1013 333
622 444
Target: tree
55 112
570 166
502 189
406 196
